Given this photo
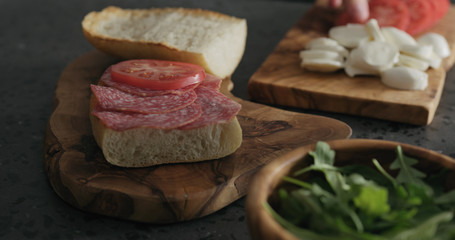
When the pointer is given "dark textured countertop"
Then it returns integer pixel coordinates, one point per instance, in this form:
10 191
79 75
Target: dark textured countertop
39 38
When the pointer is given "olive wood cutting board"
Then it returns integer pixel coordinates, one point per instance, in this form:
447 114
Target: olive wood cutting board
80 175
281 81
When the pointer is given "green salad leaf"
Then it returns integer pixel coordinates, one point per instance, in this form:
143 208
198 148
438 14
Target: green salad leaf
360 202
407 174
373 200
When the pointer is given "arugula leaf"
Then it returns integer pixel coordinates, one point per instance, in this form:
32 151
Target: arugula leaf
425 230
324 159
323 155
372 200
446 231
384 172
311 235
446 198
408 175
356 202
292 208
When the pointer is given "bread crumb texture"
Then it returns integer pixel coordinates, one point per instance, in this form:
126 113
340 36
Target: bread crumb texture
140 147
218 37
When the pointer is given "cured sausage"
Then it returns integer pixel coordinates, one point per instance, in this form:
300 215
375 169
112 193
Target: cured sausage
113 99
121 106
120 120
216 108
211 81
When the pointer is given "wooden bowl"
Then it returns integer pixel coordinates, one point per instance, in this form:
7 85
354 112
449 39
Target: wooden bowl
350 151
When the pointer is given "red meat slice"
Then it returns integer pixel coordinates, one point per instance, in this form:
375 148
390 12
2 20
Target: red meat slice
216 108
115 100
121 121
211 81
106 79
121 106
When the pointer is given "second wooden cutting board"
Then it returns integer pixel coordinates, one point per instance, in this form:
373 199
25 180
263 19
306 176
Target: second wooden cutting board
281 81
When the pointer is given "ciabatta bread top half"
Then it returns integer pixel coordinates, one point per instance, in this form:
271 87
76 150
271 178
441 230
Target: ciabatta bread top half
210 39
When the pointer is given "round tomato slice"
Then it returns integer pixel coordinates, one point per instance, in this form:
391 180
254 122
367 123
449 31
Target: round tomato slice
393 13
421 15
440 8
157 74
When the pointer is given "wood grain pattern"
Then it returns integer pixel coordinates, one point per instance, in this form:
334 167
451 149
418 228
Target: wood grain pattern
280 80
81 176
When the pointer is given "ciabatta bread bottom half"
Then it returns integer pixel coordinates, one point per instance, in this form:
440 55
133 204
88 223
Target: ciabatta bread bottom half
145 147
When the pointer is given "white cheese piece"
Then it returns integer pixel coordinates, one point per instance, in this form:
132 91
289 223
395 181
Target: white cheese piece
321 54
322 65
353 71
391 53
380 55
321 42
434 60
419 51
355 65
424 52
339 49
373 28
413 62
350 35
374 57
321 60
405 78
328 44
439 43
397 37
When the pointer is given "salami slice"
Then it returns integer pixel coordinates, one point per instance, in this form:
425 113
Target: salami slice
106 79
121 121
113 99
216 108
211 81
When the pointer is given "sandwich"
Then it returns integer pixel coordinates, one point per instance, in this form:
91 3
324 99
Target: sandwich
163 104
